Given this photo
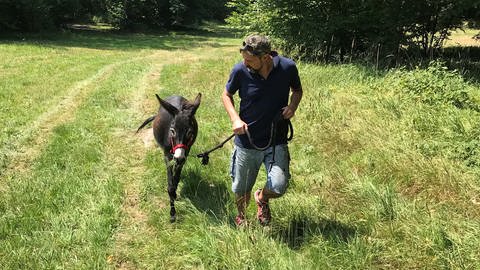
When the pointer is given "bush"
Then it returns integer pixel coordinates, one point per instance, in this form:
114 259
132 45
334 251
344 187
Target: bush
334 30
37 15
469 150
437 86
439 109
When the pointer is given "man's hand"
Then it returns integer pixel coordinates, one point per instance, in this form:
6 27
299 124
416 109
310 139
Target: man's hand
239 127
288 112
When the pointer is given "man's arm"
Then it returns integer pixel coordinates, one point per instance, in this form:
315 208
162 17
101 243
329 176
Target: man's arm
289 111
238 126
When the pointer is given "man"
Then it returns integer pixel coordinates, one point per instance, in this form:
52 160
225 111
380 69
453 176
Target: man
263 81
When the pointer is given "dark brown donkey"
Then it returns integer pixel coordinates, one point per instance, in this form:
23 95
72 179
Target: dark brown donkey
175 130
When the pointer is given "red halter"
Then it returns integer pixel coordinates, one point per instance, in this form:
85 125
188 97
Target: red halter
180 145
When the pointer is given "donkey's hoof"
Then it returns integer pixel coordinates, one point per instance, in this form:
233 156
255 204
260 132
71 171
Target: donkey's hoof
173 218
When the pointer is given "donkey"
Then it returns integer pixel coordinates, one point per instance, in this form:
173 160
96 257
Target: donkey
175 130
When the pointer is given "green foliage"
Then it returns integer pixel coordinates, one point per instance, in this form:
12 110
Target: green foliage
326 30
115 12
469 148
25 15
37 15
34 16
447 113
437 86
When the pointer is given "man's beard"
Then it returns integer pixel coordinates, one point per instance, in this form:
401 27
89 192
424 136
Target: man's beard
252 70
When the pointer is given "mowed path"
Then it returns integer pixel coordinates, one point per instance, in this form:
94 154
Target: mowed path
122 155
36 134
134 229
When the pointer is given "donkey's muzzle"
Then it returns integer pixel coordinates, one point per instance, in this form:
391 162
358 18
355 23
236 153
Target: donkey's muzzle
179 153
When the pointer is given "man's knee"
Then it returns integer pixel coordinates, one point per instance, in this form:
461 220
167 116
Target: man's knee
277 187
277 180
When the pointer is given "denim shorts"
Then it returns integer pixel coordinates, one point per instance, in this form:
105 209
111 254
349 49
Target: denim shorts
245 164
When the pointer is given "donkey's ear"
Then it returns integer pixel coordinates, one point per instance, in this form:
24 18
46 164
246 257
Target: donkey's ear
167 106
196 102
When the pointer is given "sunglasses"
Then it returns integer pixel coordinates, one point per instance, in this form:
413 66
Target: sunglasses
251 50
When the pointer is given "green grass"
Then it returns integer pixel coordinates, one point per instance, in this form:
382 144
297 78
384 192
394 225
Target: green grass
463 38
385 166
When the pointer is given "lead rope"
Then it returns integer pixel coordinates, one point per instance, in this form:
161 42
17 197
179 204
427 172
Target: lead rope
273 133
205 158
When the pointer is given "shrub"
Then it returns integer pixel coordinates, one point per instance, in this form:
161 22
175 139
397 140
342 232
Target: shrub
436 85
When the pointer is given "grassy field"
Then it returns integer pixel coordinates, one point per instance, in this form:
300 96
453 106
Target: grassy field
463 38
385 165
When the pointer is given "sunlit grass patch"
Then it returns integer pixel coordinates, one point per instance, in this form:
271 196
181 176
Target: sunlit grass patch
384 165
463 38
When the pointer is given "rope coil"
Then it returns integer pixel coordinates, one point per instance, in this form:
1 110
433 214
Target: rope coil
278 117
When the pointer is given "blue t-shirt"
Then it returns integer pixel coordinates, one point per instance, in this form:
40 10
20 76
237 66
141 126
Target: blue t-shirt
261 99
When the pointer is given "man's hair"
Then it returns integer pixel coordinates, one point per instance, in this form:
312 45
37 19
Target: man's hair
257 45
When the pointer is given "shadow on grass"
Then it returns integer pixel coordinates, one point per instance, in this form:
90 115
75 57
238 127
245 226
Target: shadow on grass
116 40
210 197
464 59
300 230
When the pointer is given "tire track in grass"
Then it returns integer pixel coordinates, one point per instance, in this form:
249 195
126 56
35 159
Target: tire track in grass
133 225
20 154
126 164
94 101
61 208
36 136
134 229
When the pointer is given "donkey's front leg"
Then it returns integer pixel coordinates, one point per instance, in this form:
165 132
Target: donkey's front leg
173 174
172 193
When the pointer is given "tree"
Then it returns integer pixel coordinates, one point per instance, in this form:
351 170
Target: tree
330 29
37 15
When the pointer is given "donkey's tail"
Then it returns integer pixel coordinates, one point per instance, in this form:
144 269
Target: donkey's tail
150 119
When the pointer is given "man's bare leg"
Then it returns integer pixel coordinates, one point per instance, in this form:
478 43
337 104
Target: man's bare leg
242 203
267 194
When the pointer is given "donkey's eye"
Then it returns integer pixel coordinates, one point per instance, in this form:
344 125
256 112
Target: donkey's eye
172 131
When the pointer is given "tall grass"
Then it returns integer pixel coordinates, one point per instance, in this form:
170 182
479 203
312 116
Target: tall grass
385 165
